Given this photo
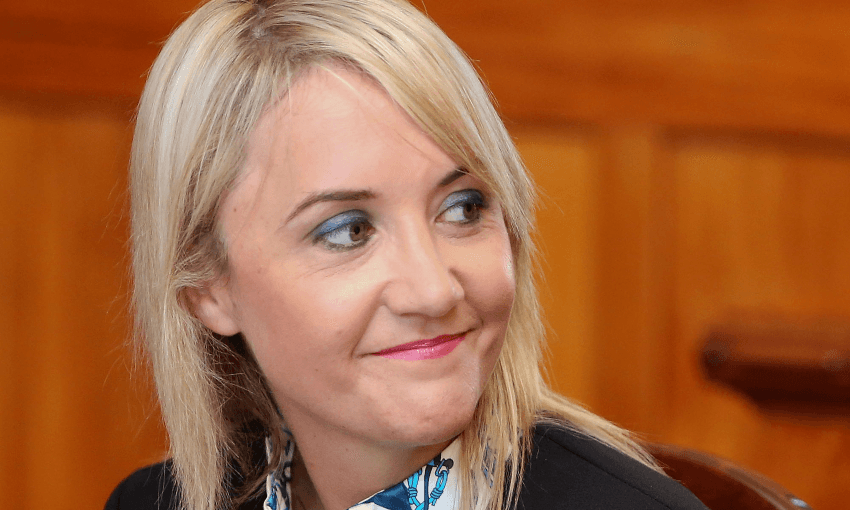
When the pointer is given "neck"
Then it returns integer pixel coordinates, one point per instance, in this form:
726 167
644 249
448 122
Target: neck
335 473
304 496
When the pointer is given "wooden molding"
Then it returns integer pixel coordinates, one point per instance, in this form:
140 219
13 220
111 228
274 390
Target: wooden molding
753 65
780 362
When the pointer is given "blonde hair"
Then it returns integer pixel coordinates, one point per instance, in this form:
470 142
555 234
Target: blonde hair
213 79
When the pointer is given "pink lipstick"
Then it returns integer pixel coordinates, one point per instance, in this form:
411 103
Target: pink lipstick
424 349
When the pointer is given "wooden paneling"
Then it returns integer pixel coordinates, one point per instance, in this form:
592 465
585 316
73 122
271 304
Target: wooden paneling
782 65
566 163
750 64
601 229
83 48
762 224
70 423
652 236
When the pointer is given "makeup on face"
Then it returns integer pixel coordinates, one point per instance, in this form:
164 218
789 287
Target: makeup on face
369 271
431 348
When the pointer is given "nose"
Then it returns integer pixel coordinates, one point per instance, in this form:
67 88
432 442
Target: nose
421 280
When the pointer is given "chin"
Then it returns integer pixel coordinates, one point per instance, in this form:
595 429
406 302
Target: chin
436 425
429 436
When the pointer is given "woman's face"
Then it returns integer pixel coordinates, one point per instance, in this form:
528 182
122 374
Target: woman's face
370 275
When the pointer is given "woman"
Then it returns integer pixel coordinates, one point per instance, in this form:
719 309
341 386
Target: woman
333 266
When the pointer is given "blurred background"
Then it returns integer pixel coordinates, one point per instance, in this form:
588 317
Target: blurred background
694 163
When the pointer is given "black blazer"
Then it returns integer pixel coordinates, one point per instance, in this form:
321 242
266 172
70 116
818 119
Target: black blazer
566 471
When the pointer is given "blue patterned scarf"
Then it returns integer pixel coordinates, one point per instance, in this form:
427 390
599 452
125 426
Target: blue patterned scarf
433 487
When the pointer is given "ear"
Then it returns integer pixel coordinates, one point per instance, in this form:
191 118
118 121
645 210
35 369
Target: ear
213 305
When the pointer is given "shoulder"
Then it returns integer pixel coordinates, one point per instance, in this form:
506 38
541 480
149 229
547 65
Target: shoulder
570 470
150 488
154 488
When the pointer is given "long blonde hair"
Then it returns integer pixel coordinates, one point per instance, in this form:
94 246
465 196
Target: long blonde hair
215 76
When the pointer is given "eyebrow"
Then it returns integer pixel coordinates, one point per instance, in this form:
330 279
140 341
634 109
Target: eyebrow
331 196
454 175
361 194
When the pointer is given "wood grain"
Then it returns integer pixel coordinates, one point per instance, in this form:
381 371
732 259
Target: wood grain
783 66
753 64
70 417
761 225
651 236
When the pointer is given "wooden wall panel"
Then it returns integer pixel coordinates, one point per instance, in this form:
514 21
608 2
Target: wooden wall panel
84 48
566 163
604 274
749 64
71 424
649 238
762 224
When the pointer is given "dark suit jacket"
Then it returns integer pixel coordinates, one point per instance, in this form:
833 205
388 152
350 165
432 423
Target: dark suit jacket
566 471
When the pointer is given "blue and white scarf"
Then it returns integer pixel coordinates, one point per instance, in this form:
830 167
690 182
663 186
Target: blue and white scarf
433 487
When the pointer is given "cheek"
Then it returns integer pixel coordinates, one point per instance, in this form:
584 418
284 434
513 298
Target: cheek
491 285
293 319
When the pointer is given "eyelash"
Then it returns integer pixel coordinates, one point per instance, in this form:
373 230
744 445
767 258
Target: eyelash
343 223
339 224
463 198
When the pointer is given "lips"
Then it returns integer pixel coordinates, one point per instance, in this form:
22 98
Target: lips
431 348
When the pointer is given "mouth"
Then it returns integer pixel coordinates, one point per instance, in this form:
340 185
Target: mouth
431 348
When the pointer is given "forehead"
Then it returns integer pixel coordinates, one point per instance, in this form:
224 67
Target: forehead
335 128
330 113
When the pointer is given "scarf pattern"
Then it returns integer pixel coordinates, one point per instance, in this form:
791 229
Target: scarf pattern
434 486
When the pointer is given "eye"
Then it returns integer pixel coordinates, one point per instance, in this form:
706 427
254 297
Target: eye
344 231
463 207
